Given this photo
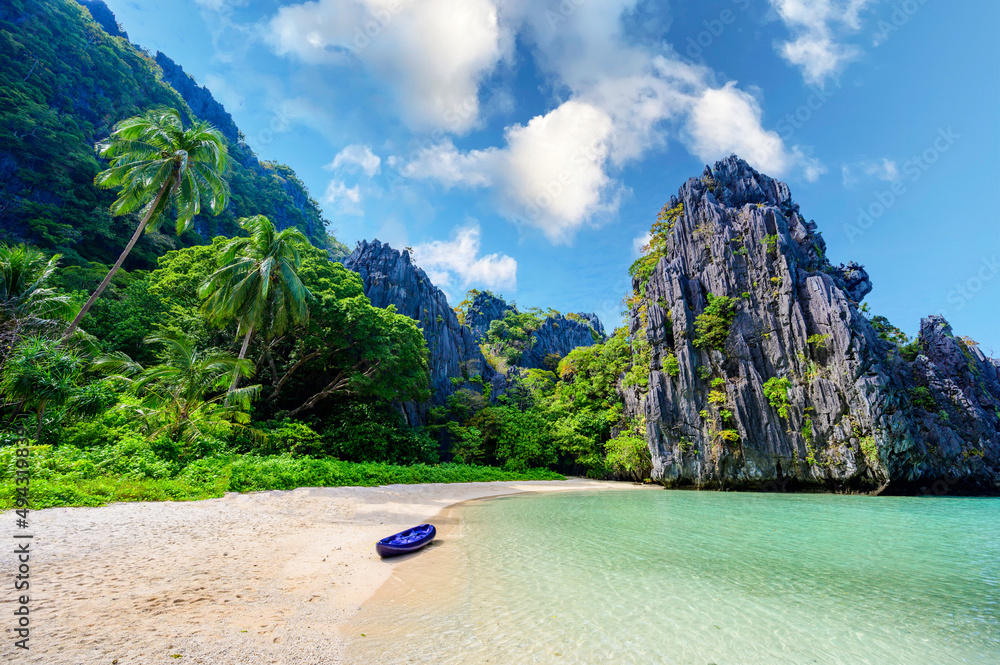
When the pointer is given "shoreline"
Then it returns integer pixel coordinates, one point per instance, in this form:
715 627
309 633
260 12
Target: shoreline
263 577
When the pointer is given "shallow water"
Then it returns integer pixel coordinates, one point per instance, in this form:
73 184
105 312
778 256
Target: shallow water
697 578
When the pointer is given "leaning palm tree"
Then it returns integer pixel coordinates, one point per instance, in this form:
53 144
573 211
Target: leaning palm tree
258 284
28 305
157 162
184 397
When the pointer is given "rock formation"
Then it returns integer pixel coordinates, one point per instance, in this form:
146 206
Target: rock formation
203 104
801 391
390 278
484 310
557 334
104 17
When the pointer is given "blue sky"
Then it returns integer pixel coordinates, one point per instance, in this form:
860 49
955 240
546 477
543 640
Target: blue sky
524 145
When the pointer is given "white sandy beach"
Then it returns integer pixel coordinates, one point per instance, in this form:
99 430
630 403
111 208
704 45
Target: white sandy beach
267 577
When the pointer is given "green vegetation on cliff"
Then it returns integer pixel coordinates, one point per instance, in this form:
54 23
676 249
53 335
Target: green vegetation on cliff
64 83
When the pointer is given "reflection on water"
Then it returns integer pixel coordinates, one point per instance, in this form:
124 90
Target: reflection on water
697 578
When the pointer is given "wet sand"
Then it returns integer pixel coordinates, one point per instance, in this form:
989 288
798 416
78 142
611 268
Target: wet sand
267 577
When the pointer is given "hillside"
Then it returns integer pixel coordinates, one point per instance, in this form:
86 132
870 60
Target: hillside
64 83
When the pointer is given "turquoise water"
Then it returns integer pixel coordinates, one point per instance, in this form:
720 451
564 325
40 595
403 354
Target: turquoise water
699 578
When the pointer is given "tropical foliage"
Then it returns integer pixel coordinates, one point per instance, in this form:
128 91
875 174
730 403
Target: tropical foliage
155 162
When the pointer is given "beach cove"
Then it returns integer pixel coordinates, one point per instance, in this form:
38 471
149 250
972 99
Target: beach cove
263 577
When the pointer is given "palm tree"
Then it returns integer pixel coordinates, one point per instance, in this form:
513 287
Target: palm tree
27 303
258 284
185 396
157 162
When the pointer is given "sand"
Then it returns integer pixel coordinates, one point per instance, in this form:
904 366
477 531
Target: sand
265 577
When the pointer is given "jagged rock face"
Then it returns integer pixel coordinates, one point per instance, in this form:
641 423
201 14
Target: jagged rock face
390 278
556 336
484 310
199 98
965 388
851 422
104 17
594 322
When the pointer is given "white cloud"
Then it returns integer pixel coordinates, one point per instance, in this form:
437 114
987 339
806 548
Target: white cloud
347 200
640 242
725 120
457 263
431 53
556 173
884 169
551 174
816 26
619 96
356 155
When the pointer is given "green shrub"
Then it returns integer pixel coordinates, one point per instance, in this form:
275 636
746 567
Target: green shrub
628 453
807 430
285 473
910 351
371 432
671 365
870 450
776 391
713 324
922 398
819 341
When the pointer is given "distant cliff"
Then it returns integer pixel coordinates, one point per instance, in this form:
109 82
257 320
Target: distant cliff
553 336
764 374
391 279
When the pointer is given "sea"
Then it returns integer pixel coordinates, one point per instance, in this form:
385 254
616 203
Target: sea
695 578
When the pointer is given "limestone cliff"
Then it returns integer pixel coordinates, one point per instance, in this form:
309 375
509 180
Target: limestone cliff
555 336
390 278
798 390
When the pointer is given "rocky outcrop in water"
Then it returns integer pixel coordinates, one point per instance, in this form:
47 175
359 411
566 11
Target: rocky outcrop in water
390 278
801 391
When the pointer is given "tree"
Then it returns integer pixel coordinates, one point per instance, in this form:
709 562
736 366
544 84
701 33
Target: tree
40 373
258 282
348 347
28 305
184 397
157 162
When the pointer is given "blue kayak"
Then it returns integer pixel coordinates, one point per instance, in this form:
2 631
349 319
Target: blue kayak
407 541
